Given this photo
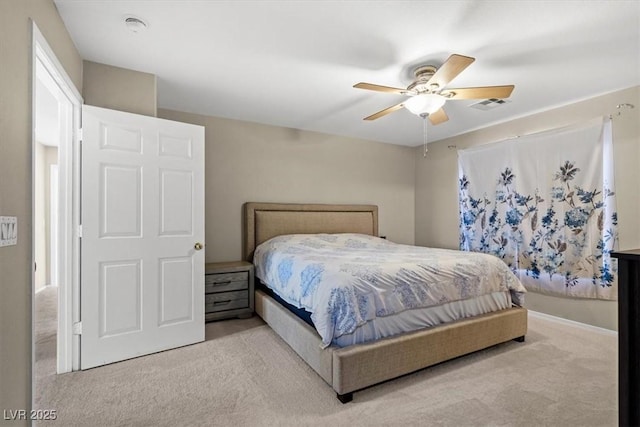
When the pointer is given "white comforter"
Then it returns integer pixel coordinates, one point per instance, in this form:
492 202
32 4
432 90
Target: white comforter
345 280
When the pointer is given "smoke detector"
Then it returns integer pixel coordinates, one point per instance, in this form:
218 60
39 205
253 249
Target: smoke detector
135 24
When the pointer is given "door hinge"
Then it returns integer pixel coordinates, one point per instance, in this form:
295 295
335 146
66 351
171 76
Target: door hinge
80 135
80 231
77 328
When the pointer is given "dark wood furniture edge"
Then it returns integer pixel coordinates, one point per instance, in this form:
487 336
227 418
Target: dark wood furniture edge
628 336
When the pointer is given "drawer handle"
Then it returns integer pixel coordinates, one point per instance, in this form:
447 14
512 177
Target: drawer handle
223 283
221 302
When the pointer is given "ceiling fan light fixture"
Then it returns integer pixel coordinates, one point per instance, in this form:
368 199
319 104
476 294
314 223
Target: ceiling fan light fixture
425 104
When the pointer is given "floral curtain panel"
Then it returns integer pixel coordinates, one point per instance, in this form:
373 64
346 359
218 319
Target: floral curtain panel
545 204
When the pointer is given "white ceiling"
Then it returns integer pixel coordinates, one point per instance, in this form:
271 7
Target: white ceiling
293 63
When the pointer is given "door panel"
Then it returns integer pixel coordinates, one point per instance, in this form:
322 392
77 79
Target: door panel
120 205
120 297
175 299
170 146
119 138
142 281
176 208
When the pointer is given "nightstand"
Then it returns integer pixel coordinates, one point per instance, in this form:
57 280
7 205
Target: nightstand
228 288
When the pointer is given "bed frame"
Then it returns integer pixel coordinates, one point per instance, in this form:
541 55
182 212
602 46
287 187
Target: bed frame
355 367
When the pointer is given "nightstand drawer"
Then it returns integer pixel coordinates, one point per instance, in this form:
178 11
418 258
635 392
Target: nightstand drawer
222 278
226 301
224 286
225 296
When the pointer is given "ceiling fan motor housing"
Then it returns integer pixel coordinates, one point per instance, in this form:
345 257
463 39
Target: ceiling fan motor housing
422 76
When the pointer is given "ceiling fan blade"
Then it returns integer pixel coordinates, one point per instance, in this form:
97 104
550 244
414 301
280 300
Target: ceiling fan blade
384 112
438 117
486 92
378 88
453 66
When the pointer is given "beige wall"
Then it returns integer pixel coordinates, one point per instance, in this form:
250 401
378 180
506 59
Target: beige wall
249 162
436 180
15 168
119 89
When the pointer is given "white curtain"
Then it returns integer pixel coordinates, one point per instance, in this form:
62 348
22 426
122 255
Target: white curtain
545 204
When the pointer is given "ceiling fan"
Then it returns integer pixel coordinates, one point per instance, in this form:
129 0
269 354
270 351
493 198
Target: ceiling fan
427 93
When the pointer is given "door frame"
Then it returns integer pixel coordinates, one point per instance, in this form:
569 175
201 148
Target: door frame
68 280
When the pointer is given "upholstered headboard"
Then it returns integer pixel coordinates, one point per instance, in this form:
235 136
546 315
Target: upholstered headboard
263 221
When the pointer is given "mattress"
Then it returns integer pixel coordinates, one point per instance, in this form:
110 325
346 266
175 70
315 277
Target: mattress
408 320
360 288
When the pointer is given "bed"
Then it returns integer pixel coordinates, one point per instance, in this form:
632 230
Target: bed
351 368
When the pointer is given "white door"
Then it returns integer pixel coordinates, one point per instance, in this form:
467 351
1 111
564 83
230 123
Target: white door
142 276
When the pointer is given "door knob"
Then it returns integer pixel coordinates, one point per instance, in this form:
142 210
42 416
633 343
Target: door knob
198 246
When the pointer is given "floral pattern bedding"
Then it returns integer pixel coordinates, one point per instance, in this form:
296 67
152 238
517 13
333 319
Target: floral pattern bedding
345 280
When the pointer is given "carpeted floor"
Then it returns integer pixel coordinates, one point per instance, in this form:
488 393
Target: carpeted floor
244 375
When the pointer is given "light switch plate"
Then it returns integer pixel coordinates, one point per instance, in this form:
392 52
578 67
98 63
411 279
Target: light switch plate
8 230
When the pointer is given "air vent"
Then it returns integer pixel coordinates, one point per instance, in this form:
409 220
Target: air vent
489 104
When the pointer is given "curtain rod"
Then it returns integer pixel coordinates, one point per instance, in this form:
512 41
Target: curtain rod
619 107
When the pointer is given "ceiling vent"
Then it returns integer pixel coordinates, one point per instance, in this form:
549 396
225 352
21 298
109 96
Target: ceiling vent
489 104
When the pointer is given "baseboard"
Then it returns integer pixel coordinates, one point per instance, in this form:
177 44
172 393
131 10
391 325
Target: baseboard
572 323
